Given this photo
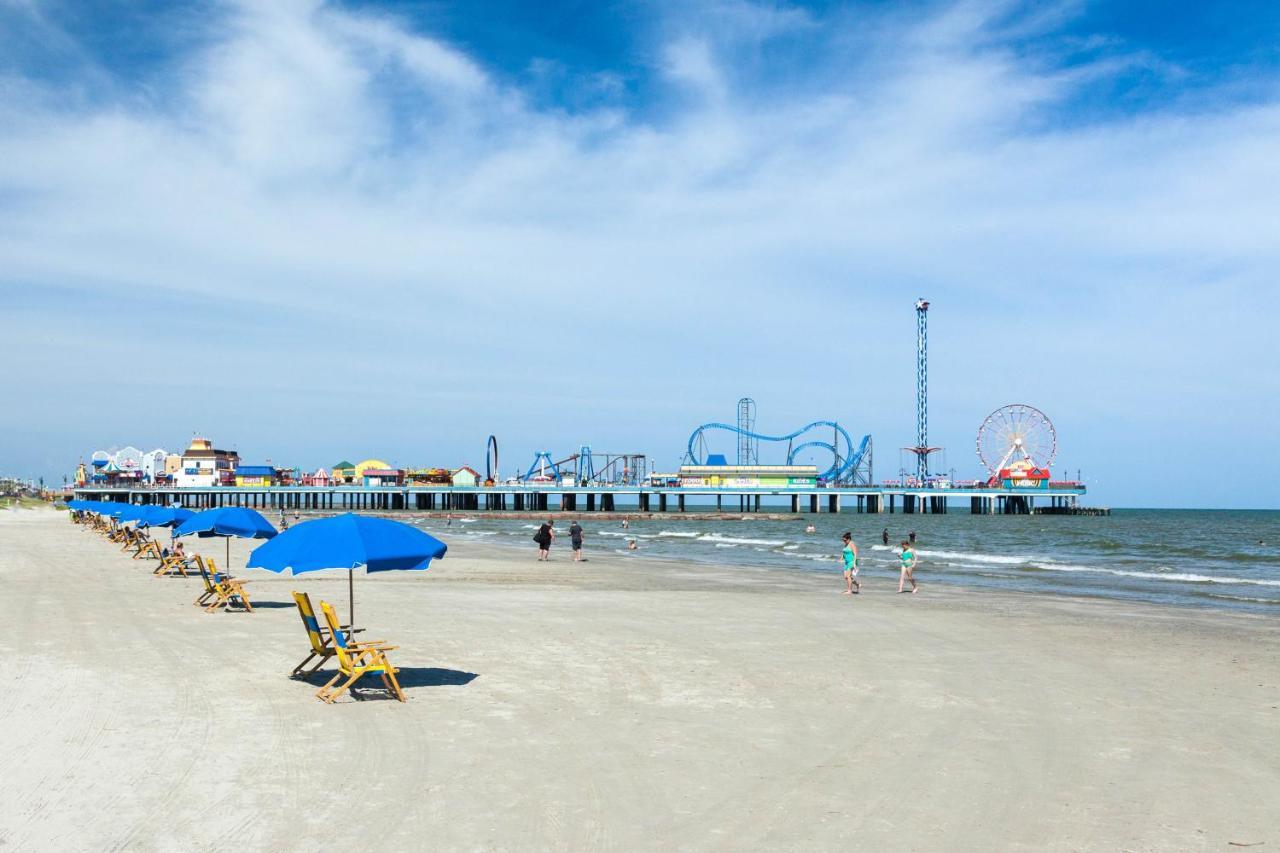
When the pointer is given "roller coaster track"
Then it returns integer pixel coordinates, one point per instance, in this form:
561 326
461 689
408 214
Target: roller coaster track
841 464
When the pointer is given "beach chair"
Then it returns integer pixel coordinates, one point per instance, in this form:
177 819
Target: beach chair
149 548
136 540
116 532
319 637
356 660
220 590
174 563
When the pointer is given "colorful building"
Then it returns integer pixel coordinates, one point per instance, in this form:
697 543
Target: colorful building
362 467
1024 475
466 477
319 478
203 465
153 465
344 473
383 477
748 476
255 476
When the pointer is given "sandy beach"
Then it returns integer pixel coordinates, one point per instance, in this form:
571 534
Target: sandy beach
615 705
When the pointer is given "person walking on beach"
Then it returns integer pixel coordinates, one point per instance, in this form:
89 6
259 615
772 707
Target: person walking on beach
544 537
908 558
884 536
575 539
850 555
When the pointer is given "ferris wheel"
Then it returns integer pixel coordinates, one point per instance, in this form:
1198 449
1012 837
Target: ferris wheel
1017 433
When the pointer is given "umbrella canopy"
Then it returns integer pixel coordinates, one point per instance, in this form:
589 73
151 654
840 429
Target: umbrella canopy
163 516
227 521
348 541
123 512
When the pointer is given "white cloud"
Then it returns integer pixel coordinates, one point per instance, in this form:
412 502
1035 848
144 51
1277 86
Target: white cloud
336 172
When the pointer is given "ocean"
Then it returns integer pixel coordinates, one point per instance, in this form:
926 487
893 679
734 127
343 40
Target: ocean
1203 558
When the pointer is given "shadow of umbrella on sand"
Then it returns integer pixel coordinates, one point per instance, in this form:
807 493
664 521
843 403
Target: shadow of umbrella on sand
348 541
226 522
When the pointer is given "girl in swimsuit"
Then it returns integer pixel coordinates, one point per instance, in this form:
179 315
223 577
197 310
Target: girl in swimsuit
850 555
908 566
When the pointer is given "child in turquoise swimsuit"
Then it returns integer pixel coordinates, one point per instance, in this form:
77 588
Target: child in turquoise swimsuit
908 558
850 555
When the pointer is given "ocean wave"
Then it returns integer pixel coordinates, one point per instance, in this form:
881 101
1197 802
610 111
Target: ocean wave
726 544
994 559
1185 577
679 534
716 537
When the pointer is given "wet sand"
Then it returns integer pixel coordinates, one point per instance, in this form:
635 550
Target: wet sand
619 705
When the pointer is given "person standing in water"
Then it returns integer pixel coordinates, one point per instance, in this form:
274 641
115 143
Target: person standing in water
911 537
908 558
575 539
850 555
884 536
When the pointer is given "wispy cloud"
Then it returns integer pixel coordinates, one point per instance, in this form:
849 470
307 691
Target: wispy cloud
373 196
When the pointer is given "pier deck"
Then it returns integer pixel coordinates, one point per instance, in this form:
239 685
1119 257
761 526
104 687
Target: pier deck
568 498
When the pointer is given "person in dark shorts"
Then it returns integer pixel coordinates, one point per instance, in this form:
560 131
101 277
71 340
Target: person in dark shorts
544 537
884 536
575 539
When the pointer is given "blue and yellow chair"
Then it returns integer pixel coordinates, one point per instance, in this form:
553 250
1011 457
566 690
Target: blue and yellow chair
220 590
356 660
320 638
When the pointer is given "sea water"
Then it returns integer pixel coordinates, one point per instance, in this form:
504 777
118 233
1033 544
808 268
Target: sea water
1214 558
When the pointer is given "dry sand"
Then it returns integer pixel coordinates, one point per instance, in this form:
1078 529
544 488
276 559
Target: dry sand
619 705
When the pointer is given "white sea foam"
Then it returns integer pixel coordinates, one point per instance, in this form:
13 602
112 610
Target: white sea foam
1186 577
679 534
716 537
790 547
726 545
994 559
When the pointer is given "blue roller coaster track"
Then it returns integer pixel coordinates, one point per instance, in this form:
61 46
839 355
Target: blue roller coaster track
841 465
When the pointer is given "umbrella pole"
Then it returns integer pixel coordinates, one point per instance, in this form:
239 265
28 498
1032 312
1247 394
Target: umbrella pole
227 565
351 598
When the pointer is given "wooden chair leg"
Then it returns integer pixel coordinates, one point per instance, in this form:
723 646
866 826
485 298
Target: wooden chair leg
297 670
389 678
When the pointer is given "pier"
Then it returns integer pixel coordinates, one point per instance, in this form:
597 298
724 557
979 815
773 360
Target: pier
1057 500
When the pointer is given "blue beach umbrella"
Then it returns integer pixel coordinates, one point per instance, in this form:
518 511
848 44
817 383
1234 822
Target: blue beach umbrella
348 541
123 512
227 521
163 516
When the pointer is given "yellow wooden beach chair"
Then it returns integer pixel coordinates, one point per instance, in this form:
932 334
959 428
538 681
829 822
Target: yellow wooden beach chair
128 538
173 563
319 637
148 548
220 590
357 659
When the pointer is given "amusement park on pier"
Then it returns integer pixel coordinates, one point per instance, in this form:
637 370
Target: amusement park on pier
735 466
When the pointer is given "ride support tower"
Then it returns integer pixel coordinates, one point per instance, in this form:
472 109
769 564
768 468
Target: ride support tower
922 448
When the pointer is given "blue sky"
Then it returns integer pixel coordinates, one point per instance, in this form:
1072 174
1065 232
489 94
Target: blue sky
317 231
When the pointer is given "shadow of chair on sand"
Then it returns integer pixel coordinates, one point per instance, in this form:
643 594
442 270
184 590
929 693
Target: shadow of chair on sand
409 677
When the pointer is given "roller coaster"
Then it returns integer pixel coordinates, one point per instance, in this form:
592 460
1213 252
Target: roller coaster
588 467
850 466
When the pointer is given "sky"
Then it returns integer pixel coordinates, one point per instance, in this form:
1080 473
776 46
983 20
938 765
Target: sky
320 231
